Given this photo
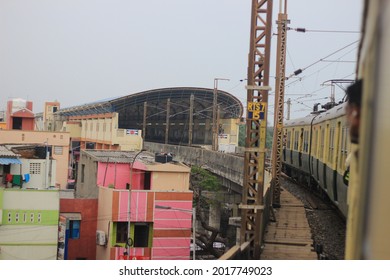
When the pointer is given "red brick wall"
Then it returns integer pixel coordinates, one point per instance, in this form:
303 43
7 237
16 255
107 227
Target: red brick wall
85 246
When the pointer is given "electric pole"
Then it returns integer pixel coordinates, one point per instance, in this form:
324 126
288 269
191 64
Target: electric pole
252 205
277 147
215 112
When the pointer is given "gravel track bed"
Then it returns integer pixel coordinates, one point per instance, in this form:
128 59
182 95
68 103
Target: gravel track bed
327 226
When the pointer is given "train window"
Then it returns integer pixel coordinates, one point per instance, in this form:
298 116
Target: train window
344 146
296 140
289 140
331 145
306 141
315 139
321 152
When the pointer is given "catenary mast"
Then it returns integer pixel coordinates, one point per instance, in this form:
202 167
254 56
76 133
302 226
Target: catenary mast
252 205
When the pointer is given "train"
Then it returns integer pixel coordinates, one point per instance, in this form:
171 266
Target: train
315 152
318 145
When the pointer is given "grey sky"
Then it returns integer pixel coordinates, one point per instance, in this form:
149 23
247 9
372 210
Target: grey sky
80 51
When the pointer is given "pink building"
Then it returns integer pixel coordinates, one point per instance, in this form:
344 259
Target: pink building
20 115
160 204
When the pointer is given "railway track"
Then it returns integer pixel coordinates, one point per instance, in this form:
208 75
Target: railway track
325 220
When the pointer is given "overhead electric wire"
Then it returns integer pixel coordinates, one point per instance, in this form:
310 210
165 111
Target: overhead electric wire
300 70
304 30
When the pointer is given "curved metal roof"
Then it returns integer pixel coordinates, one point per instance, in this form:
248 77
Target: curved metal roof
131 112
231 107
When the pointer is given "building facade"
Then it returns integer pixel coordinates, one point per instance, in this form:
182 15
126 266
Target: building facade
28 211
159 203
56 142
20 115
77 229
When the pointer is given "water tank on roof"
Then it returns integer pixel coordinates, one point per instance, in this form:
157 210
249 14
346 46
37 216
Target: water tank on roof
163 157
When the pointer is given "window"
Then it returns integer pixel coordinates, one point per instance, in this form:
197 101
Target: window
141 235
82 173
306 141
58 150
121 232
39 217
331 144
289 140
147 180
35 168
344 146
9 217
17 217
314 143
322 143
296 140
74 229
31 217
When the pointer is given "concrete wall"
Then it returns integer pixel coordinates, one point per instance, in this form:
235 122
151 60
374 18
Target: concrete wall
228 166
86 178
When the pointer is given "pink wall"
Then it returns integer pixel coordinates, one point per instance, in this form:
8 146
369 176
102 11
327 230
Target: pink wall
138 205
172 227
119 175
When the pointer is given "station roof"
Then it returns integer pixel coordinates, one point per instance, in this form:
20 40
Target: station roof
230 105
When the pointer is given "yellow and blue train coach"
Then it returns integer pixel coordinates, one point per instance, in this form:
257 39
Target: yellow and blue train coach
315 151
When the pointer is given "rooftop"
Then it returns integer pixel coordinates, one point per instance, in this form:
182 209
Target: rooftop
110 156
4 152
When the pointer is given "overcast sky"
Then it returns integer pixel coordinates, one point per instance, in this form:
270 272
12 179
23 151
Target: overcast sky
81 51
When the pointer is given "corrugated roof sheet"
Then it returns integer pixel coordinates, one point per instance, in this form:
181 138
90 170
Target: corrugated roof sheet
4 152
121 156
6 161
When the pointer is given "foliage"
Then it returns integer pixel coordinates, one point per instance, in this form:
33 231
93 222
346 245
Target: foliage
241 135
204 179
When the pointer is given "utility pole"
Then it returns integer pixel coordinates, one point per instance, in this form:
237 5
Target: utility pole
144 122
191 122
252 205
277 147
167 120
215 104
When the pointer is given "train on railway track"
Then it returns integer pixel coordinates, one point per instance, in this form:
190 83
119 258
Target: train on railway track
317 146
315 152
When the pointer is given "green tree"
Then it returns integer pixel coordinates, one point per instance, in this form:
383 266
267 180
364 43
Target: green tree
204 180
